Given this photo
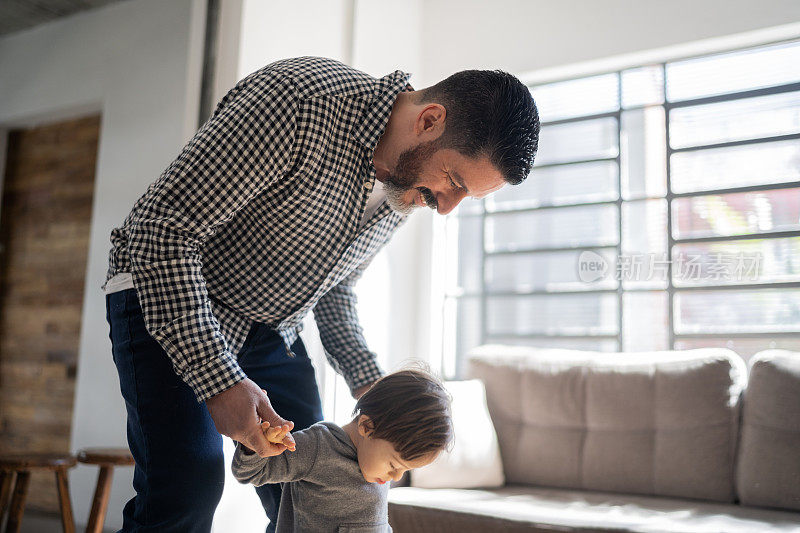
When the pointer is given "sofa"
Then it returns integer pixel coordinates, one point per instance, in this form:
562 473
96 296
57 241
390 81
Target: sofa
673 441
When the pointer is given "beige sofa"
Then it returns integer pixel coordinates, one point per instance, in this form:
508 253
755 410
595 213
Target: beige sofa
651 442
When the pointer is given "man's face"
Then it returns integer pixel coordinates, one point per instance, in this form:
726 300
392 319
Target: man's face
428 175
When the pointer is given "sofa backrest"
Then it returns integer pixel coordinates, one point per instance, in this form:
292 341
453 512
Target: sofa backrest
768 467
657 423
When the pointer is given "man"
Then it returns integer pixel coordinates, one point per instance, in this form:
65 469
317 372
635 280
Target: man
273 209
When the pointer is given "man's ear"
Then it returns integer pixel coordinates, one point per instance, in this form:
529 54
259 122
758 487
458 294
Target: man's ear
431 120
365 426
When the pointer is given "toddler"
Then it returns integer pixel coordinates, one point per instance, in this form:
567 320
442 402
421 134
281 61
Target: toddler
336 478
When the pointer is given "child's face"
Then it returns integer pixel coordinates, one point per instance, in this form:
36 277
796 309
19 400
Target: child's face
380 462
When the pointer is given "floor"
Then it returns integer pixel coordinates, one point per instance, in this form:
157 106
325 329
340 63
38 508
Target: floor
239 510
33 522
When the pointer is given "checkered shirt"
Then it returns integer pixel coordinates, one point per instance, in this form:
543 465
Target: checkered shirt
257 220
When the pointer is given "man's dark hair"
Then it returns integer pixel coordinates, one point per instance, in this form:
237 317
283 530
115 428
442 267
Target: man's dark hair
491 113
411 410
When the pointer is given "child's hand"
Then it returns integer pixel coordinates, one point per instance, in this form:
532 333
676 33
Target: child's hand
279 437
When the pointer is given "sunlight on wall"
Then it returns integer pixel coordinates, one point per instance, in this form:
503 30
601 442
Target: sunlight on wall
373 292
240 509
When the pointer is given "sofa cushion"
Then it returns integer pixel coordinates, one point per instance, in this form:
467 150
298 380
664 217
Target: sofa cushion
473 460
660 423
768 468
521 508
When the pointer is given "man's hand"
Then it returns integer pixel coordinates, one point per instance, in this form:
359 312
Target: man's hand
238 413
359 392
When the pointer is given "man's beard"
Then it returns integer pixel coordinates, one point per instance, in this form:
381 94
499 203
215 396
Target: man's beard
406 176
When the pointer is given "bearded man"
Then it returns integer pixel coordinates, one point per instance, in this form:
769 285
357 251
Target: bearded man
274 208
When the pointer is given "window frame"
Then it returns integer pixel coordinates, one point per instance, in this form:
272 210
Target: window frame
483 293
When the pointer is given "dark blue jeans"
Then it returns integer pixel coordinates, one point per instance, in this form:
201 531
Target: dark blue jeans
180 470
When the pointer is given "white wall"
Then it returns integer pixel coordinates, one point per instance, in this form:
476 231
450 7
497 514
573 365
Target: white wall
277 30
139 64
529 35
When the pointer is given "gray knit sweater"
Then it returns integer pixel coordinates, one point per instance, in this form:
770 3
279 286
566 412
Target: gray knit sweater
323 488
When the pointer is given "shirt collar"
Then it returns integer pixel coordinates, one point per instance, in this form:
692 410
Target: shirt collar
373 122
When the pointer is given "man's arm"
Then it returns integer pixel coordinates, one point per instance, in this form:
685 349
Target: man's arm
342 336
243 149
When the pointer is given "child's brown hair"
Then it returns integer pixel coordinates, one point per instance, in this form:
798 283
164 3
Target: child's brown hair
411 409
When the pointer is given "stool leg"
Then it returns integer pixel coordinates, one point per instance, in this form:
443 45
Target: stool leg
97 516
18 502
6 483
67 521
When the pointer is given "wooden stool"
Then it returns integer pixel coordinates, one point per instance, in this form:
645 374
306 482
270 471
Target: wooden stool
21 466
107 459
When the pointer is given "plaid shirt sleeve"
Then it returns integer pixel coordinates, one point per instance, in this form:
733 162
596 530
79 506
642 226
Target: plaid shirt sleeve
341 334
241 150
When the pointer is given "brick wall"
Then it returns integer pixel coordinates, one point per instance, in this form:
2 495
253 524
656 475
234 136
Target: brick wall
44 234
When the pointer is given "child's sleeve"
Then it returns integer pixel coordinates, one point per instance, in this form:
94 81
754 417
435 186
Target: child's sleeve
249 467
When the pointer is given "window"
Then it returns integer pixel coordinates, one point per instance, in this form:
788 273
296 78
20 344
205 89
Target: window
663 212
